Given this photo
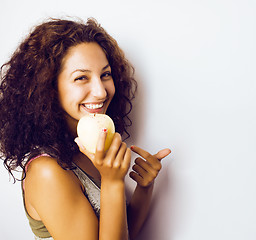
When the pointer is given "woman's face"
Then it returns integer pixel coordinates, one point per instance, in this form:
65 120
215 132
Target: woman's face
85 84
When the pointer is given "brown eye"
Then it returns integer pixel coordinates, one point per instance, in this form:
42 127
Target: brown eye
106 75
81 78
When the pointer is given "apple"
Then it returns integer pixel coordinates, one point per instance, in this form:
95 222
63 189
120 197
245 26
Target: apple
89 128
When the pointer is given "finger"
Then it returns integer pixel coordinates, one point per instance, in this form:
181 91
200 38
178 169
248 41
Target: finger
99 155
115 145
83 149
136 177
127 159
120 155
152 170
162 154
141 152
141 171
151 160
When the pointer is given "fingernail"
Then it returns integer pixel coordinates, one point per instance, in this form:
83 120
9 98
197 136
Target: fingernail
104 129
132 147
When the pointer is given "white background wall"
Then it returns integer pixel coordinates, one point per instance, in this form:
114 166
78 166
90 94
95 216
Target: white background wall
195 62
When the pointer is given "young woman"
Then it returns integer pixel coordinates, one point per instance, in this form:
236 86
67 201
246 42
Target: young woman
62 71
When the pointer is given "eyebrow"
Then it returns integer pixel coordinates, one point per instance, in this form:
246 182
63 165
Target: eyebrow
85 70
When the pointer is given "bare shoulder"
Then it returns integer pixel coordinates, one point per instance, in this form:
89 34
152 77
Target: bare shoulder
45 171
57 197
44 165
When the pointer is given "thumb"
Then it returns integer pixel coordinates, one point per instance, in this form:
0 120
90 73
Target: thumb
162 154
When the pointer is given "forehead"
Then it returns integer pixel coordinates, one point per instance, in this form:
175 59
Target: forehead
84 55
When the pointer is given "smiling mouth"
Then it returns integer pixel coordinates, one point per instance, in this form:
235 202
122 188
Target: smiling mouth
93 106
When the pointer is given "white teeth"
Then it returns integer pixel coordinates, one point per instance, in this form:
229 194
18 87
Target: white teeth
93 106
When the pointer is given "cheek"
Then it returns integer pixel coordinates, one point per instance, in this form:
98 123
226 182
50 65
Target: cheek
111 89
61 88
61 94
69 95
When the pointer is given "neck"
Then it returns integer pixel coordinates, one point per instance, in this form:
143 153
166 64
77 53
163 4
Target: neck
86 164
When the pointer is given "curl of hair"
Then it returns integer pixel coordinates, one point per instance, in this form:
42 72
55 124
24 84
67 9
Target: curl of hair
32 120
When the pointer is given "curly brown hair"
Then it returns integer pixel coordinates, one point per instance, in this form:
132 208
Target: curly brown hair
32 120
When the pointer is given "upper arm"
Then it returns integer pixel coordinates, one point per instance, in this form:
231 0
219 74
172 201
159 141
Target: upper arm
59 201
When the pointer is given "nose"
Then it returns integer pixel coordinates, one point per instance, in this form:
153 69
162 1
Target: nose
98 89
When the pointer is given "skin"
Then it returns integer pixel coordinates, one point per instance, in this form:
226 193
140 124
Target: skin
55 196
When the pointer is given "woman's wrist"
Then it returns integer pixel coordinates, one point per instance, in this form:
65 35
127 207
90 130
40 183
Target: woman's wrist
112 184
146 188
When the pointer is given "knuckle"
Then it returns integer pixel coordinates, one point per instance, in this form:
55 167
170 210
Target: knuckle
123 167
98 162
144 183
116 164
147 155
149 178
100 149
158 166
154 174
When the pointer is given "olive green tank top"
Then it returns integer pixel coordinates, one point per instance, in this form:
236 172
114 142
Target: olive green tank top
92 192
